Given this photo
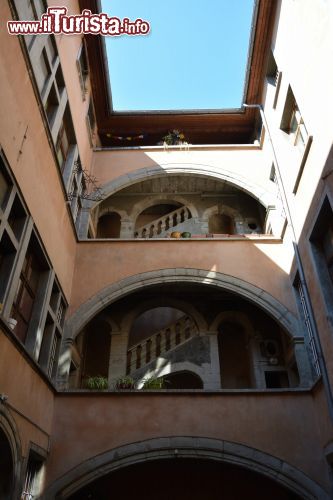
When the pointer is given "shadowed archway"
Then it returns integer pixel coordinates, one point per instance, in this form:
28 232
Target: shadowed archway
278 478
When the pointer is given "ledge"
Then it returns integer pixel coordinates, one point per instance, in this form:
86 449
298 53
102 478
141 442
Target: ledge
185 148
184 392
247 238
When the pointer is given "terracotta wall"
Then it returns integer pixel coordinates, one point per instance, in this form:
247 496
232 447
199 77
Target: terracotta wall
30 398
100 264
31 159
87 425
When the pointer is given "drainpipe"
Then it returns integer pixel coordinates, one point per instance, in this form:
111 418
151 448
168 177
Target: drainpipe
321 361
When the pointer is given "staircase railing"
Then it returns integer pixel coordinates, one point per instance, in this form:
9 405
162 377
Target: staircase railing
160 343
164 223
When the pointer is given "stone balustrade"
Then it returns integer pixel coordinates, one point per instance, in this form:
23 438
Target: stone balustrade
157 227
159 343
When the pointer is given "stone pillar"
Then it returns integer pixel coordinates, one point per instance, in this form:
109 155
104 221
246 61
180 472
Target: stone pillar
126 229
64 363
202 225
303 364
118 358
84 218
212 380
258 375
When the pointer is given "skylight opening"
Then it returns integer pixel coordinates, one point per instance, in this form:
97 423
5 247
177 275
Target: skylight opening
194 58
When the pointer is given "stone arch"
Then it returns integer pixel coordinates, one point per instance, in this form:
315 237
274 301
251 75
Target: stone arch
128 285
107 210
225 210
239 317
148 202
10 430
187 447
170 302
256 191
175 367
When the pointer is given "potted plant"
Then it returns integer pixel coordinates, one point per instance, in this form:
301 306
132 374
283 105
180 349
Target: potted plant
153 383
174 138
97 383
125 383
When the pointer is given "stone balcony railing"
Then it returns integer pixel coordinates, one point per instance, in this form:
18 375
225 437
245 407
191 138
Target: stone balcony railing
160 343
159 226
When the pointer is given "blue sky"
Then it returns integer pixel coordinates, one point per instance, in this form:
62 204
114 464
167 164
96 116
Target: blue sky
194 57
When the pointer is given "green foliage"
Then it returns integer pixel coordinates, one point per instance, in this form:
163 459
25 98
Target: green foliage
125 383
174 138
97 383
153 383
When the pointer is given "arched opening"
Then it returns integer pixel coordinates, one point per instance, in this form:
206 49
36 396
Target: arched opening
109 225
6 467
234 357
157 204
221 224
163 329
182 380
158 218
184 479
94 346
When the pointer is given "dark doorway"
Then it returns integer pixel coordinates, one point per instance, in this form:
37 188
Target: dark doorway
184 479
6 467
234 356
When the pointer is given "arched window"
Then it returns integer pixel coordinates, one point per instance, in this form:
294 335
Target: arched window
109 226
221 224
234 356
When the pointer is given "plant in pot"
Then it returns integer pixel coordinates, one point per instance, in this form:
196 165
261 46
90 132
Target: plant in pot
174 138
97 383
153 383
125 383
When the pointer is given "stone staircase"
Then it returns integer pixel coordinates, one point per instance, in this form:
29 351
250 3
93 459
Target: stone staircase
160 344
159 228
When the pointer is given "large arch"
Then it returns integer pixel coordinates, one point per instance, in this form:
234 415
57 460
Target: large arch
186 447
180 275
10 430
140 206
256 191
182 305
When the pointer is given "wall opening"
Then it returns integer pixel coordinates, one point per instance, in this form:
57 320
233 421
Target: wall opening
109 226
6 467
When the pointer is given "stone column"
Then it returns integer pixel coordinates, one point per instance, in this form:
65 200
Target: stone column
126 229
64 363
212 380
303 364
118 358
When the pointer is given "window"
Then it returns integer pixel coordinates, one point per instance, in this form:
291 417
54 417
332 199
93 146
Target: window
27 290
77 188
292 122
91 122
66 137
272 175
33 477
273 76
308 332
322 247
83 69
44 71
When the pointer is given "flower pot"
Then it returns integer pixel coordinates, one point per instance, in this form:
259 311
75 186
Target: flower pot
12 323
176 234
